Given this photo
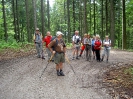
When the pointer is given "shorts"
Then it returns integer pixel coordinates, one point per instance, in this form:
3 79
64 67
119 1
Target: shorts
93 48
59 58
77 46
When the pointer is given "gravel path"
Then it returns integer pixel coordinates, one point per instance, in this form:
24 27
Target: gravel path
19 78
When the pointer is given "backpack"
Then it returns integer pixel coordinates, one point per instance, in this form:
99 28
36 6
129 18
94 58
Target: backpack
76 40
54 38
40 35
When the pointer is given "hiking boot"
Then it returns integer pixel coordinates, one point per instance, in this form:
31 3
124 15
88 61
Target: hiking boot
73 58
102 59
77 58
61 73
43 57
79 55
107 61
58 73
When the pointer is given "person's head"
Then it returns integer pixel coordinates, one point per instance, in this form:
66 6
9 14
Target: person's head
97 37
85 35
76 32
88 36
94 37
106 37
37 30
59 34
48 33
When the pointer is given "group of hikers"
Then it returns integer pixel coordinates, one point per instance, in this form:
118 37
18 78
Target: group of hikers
56 47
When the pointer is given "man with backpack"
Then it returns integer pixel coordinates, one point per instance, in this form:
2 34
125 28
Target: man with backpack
38 43
58 48
47 40
107 47
76 42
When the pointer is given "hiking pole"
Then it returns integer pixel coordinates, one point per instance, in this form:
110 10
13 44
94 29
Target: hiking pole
70 64
47 65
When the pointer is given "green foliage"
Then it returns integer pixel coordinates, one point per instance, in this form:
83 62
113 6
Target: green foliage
129 71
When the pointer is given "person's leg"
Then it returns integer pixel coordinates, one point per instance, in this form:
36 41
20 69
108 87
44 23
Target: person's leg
89 52
74 51
49 53
103 54
77 50
37 49
86 49
97 55
108 52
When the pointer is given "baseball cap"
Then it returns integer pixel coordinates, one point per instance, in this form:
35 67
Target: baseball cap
59 33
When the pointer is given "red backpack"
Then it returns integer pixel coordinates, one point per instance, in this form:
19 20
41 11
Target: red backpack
97 45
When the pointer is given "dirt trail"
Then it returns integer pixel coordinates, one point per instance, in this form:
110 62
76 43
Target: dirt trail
19 78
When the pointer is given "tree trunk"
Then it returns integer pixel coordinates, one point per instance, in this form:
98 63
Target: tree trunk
102 20
4 17
27 19
74 15
112 29
48 12
17 16
90 16
14 17
68 24
94 18
85 17
124 36
42 16
34 10
106 7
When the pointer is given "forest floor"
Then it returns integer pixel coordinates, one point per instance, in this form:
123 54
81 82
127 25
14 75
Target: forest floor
20 72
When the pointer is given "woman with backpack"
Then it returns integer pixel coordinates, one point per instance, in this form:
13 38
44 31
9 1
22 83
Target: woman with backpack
97 47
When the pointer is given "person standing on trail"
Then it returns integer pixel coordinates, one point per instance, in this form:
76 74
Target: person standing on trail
47 40
38 43
107 47
87 43
76 42
58 51
97 47
83 45
92 45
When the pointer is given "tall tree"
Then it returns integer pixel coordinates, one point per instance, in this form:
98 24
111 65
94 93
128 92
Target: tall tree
112 25
34 10
85 17
48 12
4 17
42 16
68 24
27 20
17 18
124 36
94 17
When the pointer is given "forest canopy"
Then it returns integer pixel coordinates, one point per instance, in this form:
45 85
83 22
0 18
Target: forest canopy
19 18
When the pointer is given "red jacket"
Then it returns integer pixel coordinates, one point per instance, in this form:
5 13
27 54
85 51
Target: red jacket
47 40
97 45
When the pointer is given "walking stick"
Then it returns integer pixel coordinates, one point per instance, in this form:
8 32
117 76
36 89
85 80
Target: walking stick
47 65
70 64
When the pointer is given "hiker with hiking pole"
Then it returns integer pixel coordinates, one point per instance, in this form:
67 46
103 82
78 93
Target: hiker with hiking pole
58 49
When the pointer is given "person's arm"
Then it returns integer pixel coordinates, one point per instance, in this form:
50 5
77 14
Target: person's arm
50 46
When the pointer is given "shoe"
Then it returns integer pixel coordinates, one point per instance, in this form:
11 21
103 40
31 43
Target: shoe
77 58
61 73
43 57
107 61
102 59
58 73
38 56
79 55
73 58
